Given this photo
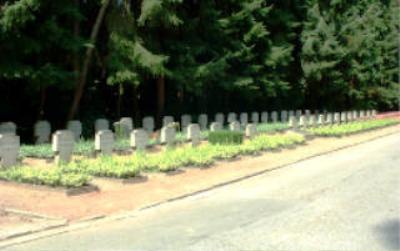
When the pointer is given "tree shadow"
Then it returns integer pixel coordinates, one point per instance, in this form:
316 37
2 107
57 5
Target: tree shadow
389 233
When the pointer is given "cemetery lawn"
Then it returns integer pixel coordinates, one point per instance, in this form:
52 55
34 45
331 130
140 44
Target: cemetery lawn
351 128
114 197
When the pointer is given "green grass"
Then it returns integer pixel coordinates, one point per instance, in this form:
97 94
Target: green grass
272 127
53 177
351 128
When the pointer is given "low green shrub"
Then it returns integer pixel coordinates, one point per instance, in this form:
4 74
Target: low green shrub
272 127
350 128
43 151
54 177
225 137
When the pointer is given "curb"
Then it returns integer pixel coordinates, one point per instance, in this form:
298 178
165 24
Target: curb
100 219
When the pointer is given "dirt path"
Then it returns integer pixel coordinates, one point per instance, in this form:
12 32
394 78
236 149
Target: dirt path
115 197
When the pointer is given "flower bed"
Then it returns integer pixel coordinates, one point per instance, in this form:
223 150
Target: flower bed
351 128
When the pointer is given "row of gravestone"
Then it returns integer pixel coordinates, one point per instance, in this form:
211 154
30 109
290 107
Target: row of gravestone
123 127
63 140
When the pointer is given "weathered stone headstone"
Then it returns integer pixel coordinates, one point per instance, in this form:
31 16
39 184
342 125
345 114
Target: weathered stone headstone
185 121
251 130
312 121
220 118
203 121
293 122
167 120
307 113
368 113
343 117
355 115
9 149
63 145
232 117
303 121
193 134
139 139
255 117
168 134
298 114
336 118
264 117
321 119
75 126
284 116
234 126
42 132
8 128
148 124
349 116
101 125
374 113
104 142
215 126
362 114
125 127
329 118
244 119
274 117
290 113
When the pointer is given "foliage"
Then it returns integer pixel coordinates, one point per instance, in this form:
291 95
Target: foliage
350 128
54 177
225 137
272 127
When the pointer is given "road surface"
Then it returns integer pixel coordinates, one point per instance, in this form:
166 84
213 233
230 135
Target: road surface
346 200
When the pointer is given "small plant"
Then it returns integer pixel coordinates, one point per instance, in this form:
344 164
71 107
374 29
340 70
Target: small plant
225 137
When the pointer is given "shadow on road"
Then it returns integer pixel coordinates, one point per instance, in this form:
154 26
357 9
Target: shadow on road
389 234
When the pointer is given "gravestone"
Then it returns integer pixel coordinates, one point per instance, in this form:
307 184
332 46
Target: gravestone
104 142
63 145
234 126
251 130
349 116
167 120
101 125
355 115
321 119
303 121
185 121
312 121
75 126
8 128
125 127
284 116
298 114
362 114
336 118
9 150
290 113
368 113
244 119
307 113
139 139
215 126
293 122
193 134
255 117
274 117
203 122
220 118
148 124
374 113
168 134
42 132
264 117
343 117
329 118
232 117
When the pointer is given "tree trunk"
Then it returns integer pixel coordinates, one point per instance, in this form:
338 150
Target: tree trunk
135 104
160 97
87 60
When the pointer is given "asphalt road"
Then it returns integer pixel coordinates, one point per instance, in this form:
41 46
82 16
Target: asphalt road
347 200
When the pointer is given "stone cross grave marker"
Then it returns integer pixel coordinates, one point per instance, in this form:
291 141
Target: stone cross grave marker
104 142
139 139
9 150
75 126
63 145
42 132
